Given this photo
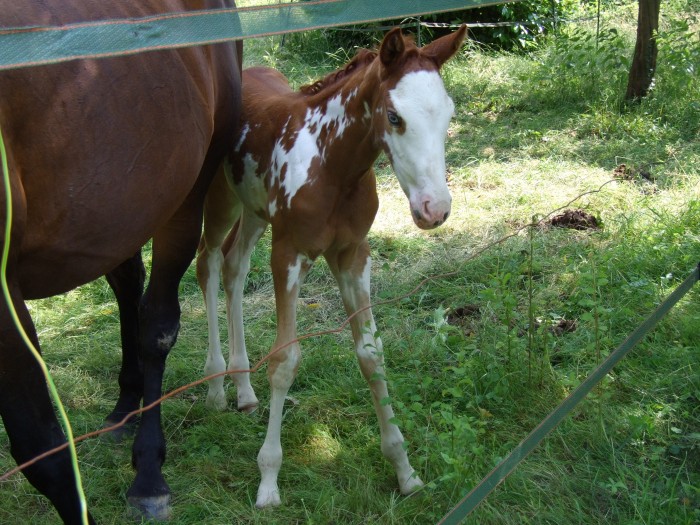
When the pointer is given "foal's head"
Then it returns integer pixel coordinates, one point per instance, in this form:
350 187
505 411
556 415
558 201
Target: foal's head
411 120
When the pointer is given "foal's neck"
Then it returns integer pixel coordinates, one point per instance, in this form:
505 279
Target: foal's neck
356 148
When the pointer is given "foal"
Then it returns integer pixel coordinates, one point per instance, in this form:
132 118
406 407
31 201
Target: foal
303 163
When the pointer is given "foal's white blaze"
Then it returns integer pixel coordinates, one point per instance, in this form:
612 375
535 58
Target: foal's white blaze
296 161
418 154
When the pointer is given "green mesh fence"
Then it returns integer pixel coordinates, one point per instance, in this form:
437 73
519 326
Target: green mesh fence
27 46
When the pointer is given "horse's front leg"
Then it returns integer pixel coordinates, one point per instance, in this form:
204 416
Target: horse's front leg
351 269
236 268
28 414
288 270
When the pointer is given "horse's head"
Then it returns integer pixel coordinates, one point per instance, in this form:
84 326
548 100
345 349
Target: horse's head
415 112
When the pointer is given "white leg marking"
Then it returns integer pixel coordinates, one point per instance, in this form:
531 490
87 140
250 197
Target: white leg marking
215 364
270 455
281 372
355 290
236 268
295 271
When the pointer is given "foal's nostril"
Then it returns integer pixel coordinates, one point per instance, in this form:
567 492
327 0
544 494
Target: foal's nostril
447 214
417 215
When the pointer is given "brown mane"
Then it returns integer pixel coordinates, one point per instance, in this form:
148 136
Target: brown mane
361 59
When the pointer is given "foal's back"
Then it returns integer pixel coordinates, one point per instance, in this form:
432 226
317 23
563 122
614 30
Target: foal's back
265 90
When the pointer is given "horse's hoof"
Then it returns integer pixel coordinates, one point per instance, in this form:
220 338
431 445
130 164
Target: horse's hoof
216 402
248 408
411 485
155 508
268 498
247 400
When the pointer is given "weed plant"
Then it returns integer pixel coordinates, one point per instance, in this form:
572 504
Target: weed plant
476 359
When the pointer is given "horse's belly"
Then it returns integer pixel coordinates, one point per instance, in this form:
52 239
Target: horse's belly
62 252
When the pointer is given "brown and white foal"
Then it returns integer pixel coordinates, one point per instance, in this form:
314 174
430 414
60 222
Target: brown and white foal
303 163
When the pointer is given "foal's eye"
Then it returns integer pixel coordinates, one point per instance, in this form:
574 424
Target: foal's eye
394 119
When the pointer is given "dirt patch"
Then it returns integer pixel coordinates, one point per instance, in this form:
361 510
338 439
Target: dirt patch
460 314
575 219
465 317
564 326
625 172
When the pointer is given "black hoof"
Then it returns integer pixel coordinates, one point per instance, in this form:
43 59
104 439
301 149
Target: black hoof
156 508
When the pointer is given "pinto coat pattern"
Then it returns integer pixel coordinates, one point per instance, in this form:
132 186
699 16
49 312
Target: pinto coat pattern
303 164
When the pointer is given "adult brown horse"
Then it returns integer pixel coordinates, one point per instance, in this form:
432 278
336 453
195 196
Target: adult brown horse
303 164
103 155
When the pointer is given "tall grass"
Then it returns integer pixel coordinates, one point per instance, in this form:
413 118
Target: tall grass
474 360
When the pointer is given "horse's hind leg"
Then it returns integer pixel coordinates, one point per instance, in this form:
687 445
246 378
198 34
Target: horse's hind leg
127 283
236 268
221 211
29 417
174 247
351 269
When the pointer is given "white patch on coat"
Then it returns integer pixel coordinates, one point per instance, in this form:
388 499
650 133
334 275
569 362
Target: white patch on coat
251 189
241 140
368 112
272 207
296 161
294 271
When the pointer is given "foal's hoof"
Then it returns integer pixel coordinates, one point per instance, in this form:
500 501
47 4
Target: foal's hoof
216 402
268 498
248 408
247 401
155 508
411 485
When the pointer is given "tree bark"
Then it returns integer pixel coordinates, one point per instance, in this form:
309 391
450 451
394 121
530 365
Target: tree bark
645 51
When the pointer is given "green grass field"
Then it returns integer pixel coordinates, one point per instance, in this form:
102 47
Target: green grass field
477 359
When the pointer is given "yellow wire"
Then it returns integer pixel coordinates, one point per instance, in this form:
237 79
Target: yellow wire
13 313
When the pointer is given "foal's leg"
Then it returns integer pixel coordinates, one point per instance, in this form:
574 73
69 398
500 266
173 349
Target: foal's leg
28 414
236 268
351 268
127 283
221 210
288 270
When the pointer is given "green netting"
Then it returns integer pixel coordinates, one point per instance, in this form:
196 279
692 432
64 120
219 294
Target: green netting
27 46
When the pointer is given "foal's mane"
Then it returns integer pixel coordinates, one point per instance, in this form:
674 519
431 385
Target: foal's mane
360 60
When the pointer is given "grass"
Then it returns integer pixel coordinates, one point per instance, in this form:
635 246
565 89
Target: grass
473 360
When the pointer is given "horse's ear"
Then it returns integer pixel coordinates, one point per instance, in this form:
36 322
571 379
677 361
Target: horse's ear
392 47
445 47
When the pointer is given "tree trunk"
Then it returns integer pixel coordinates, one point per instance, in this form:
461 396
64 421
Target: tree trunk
645 51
